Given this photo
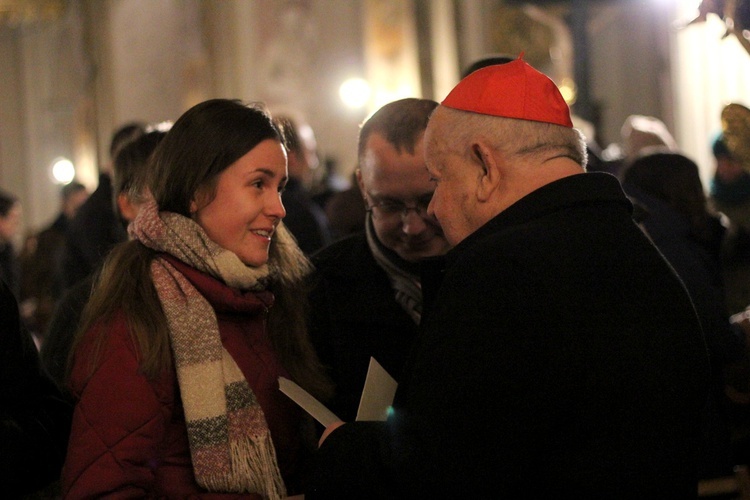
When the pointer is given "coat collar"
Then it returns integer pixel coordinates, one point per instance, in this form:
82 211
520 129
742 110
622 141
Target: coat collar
575 190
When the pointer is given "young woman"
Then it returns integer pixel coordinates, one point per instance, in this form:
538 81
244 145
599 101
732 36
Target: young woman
192 322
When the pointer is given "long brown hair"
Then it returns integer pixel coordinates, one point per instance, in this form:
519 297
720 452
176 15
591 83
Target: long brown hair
201 144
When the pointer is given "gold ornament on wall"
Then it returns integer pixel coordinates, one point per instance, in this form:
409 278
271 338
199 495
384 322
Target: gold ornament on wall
512 31
735 124
14 13
734 13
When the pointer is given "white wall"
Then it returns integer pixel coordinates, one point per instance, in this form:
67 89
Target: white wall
709 72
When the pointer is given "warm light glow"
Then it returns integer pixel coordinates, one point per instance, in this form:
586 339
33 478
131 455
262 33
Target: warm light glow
384 96
355 92
569 91
63 171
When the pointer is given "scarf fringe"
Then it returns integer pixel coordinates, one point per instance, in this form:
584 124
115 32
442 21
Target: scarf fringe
252 470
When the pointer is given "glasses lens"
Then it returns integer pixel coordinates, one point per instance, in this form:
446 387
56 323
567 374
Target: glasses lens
387 209
393 209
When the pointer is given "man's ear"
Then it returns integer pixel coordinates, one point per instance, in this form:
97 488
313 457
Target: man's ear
489 170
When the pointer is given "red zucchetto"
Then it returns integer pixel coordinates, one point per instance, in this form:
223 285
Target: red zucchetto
511 90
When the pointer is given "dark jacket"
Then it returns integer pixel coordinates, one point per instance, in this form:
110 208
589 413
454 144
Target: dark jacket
696 257
62 327
92 233
10 269
561 357
129 435
34 418
41 280
304 218
354 315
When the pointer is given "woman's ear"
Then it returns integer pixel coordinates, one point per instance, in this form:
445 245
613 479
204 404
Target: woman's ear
489 175
128 210
200 200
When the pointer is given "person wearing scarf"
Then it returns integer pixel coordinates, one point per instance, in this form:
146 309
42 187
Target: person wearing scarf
190 325
366 295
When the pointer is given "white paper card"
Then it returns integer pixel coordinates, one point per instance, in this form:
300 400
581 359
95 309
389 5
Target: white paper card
308 403
377 395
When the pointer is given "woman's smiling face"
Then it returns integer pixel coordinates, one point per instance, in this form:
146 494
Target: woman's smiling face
246 205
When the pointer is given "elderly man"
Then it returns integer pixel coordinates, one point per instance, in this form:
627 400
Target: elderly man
560 356
367 297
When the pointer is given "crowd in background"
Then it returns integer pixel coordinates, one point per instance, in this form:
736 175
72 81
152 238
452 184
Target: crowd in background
145 288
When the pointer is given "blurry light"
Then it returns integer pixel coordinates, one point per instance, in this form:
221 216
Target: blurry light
63 171
355 92
568 91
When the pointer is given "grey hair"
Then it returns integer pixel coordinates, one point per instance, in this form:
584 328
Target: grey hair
516 138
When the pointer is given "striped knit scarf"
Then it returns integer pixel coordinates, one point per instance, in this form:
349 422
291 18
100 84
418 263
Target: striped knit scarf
406 285
230 443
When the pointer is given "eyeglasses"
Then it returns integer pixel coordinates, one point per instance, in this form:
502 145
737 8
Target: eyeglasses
390 209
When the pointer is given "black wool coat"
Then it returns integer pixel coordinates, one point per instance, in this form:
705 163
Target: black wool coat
34 417
354 315
560 357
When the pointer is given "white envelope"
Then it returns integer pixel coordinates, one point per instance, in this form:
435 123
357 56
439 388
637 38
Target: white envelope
374 404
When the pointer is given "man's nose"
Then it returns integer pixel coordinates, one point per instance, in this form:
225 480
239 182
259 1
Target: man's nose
412 222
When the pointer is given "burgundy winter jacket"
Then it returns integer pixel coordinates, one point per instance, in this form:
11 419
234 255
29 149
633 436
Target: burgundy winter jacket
129 438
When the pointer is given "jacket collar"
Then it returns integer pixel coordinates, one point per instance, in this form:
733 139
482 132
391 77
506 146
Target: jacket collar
565 193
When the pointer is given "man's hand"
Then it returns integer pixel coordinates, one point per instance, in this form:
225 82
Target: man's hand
328 431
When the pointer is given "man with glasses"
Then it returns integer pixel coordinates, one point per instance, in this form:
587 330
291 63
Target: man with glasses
367 297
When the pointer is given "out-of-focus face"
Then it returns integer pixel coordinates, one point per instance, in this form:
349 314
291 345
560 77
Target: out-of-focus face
246 207
74 202
728 169
10 222
398 189
452 202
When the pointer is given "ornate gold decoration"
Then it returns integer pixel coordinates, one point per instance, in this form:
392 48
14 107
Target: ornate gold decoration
19 12
734 13
735 123
513 32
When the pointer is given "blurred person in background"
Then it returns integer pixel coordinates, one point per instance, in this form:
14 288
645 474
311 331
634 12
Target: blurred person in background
34 417
729 193
305 219
129 182
96 228
10 220
691 236
41 261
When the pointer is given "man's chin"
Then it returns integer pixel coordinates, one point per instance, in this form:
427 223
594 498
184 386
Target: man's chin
417 254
